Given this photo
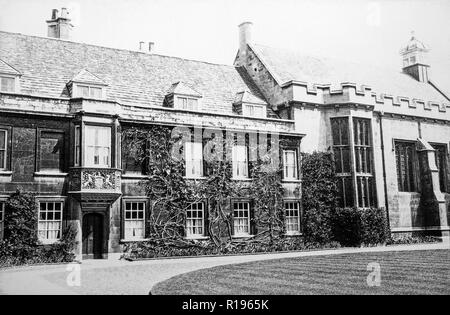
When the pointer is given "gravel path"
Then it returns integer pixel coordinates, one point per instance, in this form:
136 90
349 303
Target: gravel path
123 277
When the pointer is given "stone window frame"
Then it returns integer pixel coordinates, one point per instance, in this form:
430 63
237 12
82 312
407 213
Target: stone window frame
7 169
138 199
444 185
249 219
39 132
193 145
415 165
51 199
84 150
203 220
296 163
353 176
298 202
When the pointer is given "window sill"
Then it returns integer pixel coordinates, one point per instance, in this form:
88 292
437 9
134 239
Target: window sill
242 179
195 177
134 241
196 238
134 176
293 234
48 242
291 180
5 173
242 236
49 174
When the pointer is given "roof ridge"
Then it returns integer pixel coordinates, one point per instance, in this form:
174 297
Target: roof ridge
120 49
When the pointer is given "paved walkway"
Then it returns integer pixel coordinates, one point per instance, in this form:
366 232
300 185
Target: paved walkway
123 277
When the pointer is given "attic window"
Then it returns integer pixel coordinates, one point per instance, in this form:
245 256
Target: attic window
7 84
89 91
252 110
187 103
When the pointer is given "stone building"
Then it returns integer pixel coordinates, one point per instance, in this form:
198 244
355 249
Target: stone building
389 130
64 106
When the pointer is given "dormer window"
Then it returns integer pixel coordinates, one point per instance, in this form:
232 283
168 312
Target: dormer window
183 96
7 84
249 105
9 78
87 85
187 103
89 91
251 110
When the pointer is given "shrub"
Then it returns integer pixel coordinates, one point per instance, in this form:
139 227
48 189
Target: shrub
356 227
155 249
318 196
21 245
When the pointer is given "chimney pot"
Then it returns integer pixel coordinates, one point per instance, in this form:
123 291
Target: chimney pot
64 13
54 14
150 46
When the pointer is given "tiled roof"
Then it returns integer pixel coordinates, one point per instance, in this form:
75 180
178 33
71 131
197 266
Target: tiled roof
7 69
143 79
292 66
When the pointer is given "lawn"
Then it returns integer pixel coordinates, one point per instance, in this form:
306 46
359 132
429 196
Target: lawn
413 272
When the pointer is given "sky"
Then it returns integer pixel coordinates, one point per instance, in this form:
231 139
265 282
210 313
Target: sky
365 31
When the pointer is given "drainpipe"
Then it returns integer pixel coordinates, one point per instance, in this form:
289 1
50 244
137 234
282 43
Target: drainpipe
386 203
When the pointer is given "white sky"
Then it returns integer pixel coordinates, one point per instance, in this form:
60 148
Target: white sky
365 31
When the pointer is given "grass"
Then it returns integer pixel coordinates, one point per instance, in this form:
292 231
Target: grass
413 272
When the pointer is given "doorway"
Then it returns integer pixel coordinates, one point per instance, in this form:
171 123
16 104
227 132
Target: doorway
93 236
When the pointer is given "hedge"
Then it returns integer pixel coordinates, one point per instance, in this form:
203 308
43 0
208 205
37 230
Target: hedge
356 226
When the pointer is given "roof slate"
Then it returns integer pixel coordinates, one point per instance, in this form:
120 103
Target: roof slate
7 69
292 66
132 78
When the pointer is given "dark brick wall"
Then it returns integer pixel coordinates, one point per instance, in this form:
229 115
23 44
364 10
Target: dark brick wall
23 152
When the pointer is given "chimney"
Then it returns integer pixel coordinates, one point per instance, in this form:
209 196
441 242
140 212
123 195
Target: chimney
59 26
142 46
245 36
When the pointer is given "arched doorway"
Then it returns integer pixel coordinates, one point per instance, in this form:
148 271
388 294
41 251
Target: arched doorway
93 236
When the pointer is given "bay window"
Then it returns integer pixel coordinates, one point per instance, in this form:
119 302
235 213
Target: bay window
194 159
98 146
195 220
77 145
134 220
50 221
240 161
